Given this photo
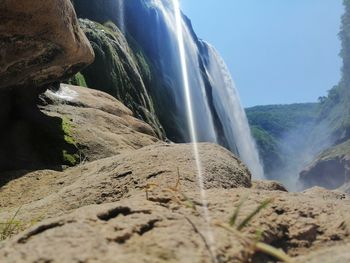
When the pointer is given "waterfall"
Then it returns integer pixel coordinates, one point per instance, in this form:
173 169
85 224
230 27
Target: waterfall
202 116
193 129
121 15
231 113
216 114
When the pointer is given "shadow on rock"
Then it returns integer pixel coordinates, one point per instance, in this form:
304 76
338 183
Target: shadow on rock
31 140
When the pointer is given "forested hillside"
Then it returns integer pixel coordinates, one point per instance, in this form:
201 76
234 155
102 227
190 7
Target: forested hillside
272 124
314 134
335 108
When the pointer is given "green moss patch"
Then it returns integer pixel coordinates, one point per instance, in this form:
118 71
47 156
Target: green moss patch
78 80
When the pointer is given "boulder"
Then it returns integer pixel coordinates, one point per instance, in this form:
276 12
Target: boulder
73 125
268 185
40 42
155 167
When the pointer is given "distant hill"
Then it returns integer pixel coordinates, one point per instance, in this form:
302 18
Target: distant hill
271 126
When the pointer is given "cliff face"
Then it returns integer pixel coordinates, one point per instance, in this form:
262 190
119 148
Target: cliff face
150 37
120 70
330 168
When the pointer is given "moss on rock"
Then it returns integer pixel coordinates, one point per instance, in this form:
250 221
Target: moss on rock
120 70
77 80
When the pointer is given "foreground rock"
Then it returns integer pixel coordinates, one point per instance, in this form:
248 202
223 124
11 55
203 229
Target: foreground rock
145 206
49 193
172 228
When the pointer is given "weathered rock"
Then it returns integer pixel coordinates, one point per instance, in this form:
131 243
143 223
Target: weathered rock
345 188
334 254
173 229
111 179
268 185
101 126
331 169
74 125
40 42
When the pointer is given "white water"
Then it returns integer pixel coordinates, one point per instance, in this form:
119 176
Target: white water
231 113
191 123
64 93
223 94
121 15
202 116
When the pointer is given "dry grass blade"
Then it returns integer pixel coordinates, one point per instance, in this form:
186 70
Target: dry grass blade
249 218
9 227
274 252
234 217
258 246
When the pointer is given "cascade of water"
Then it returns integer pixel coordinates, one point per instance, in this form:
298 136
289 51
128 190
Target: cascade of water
190 116
231 113
121 15
202 116
220 100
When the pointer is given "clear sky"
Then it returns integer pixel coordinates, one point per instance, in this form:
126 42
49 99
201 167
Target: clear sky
278 51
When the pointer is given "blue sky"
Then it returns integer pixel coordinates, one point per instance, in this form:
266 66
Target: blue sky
278 51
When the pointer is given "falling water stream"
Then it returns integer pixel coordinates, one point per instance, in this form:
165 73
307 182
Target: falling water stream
191 123
231 113
121 15
205 113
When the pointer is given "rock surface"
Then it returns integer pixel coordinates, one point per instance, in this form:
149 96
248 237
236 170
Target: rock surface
101 126
120 69
40 42
73 125
107 180
172 229
331 169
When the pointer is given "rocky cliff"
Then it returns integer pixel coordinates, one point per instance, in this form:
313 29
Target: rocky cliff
333 129
148 34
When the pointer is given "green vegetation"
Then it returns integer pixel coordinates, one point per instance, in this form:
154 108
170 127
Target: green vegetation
78 80
278 119
337 151
120 69
70 157
254 244
53 142
10 226
270 124
335 107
